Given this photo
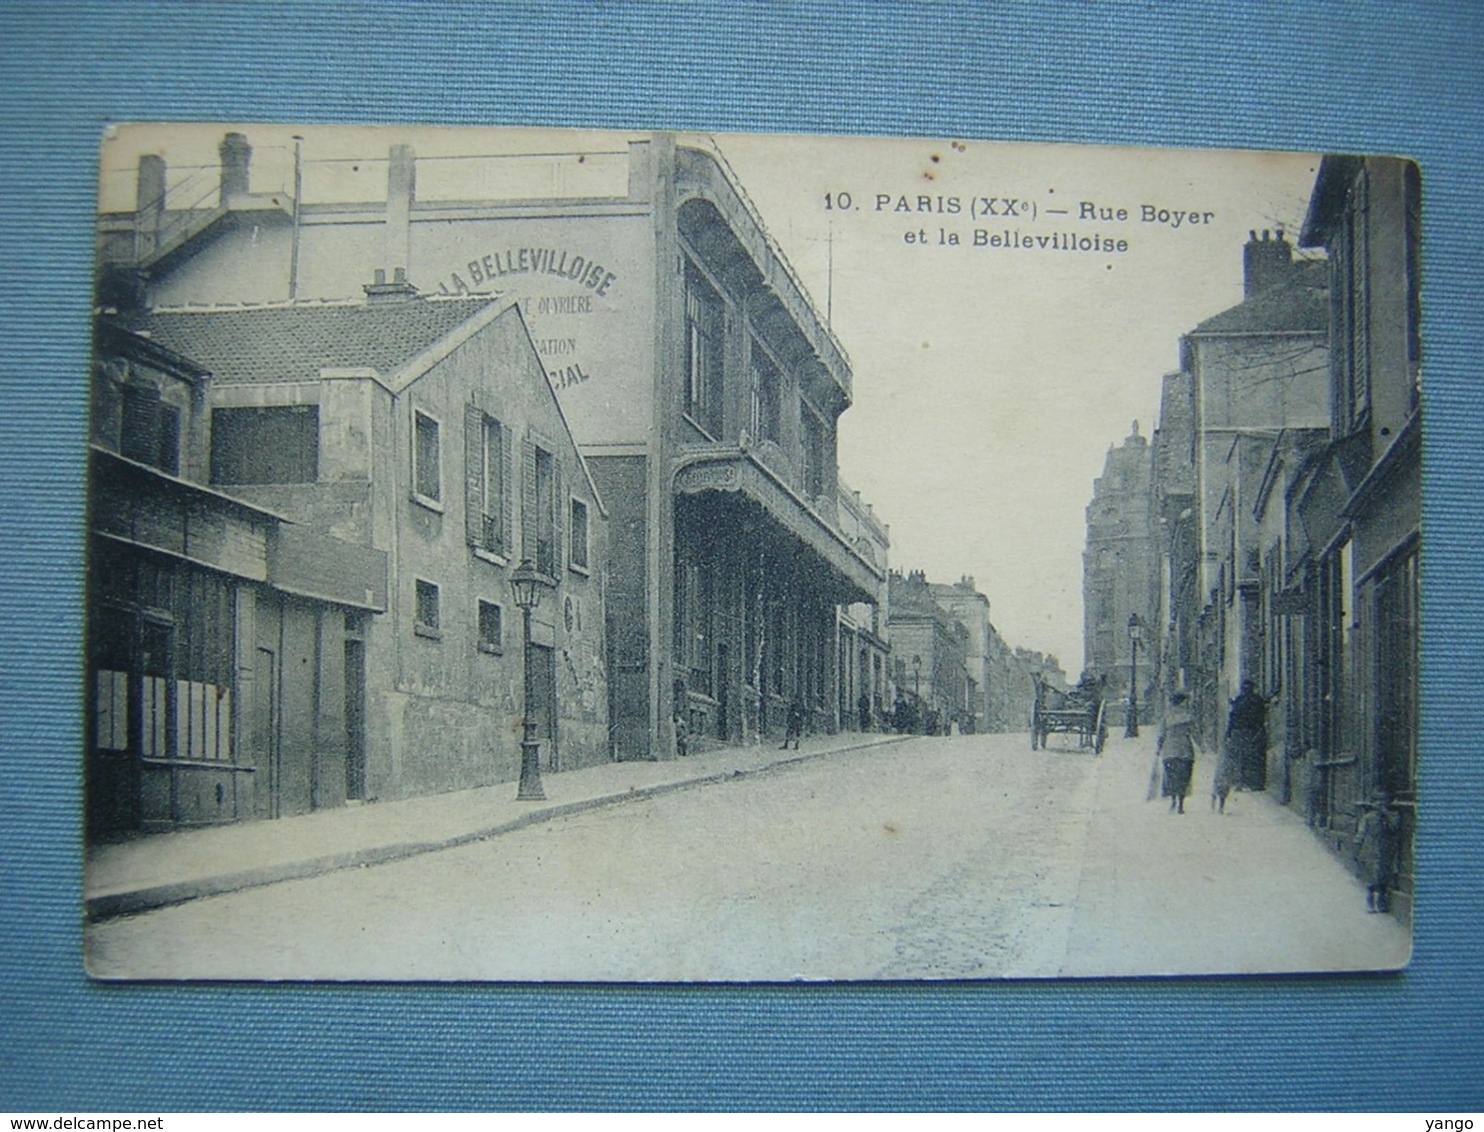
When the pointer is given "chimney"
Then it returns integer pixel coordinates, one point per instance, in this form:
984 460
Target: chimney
401 191
397 290
236 156
149 205
1265 263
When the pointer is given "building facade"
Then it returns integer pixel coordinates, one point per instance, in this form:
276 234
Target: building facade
1286 493
221 673
1118 570
970 608
930 657
1251 376
864 663
701 383
1356 589
423 428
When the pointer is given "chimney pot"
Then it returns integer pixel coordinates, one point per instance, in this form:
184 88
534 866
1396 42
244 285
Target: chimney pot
398 289
236 157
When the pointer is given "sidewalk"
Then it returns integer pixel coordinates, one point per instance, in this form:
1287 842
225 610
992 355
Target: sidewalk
1252 890
170 868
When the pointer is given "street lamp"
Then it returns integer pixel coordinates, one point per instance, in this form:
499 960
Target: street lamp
1135 634
526 585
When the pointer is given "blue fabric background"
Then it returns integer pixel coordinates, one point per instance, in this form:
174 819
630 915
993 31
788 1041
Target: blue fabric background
1400 78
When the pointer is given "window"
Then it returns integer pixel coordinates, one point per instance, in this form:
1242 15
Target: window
491 627
162 660
425 622
577 555
767 396
487 481
814 453
543 522
150 429
262 446
427 469
704 330
1412 186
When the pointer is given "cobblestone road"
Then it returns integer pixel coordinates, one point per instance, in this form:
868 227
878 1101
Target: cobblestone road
967 857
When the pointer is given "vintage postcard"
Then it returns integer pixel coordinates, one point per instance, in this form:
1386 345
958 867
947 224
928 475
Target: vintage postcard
640 556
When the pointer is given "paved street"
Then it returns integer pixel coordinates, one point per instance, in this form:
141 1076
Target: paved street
963 857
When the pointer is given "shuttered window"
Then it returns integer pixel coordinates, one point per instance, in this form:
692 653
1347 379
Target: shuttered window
541 520
577 547
150 429
487 481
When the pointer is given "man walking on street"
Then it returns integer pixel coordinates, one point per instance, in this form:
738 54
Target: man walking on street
1247 738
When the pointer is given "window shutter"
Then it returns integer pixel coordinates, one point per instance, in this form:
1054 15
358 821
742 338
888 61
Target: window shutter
140 439
474 475
169 455
529 526
507 502
560 517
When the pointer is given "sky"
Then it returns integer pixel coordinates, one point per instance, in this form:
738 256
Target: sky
991 375
989 382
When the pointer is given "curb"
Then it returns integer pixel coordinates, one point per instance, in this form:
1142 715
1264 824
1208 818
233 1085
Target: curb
115 904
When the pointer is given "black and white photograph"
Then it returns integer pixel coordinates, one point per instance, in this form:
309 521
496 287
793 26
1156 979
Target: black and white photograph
535 555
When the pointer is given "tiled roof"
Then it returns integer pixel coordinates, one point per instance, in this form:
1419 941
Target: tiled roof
1298 306
293 342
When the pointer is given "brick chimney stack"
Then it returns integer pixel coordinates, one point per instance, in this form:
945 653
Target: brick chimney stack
1266 262
401 192
236 157
149 208
398 290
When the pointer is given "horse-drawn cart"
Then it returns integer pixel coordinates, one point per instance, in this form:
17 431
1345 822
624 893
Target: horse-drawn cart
1079 712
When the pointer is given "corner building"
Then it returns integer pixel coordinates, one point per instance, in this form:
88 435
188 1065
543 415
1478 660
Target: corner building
698 380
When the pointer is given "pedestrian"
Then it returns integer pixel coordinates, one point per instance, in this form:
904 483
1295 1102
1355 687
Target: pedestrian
1228 771
682 735
794 727
1175 751
1247 739
1378 849
863 708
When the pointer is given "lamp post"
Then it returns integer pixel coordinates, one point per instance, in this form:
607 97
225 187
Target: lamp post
526 585
1135 633
917 688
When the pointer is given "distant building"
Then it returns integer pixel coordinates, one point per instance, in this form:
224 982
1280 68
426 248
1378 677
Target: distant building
1031 667
970 608
1118 569
864 663
929 655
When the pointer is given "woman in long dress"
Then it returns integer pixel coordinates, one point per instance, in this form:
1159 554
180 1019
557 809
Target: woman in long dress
1176 751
